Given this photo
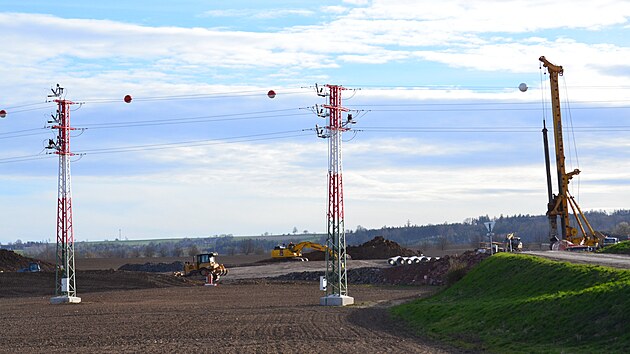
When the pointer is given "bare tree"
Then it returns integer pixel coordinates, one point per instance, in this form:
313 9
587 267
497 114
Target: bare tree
150 250
247 246
623 229
442 242
134 253
178 251
193 250
164 250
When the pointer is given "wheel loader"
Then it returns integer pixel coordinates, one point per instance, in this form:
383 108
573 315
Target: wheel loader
205 264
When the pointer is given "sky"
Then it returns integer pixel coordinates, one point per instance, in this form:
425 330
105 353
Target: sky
443 133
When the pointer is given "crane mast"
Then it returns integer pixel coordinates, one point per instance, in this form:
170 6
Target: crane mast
559 206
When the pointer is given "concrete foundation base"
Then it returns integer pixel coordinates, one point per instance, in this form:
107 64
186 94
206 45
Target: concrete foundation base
336 300
64 299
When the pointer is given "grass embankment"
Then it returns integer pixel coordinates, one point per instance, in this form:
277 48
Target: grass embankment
619 248
517 303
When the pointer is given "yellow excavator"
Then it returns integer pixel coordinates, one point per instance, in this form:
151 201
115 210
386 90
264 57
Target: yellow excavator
294 251
571 239
205 264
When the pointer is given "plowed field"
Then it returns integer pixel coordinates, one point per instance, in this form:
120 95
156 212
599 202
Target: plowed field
141 312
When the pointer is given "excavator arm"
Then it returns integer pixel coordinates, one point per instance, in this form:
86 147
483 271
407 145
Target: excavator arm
307 244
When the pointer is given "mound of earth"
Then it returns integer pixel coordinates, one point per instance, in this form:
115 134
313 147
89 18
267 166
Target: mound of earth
12 262
153 267
426 273
379 248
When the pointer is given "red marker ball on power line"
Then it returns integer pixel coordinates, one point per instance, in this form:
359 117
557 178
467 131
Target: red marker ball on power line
3 113
127 98
271 94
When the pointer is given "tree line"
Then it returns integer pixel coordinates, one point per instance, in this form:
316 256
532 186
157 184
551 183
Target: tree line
532 229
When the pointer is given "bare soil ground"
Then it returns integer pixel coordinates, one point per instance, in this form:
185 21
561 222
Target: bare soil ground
115 263
251 317
160 313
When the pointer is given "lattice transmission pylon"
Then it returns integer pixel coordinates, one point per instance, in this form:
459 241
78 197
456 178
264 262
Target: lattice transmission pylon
336 274
65 280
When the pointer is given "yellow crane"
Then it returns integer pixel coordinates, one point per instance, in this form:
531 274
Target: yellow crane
559 204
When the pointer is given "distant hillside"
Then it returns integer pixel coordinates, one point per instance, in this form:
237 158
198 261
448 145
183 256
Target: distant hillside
531 229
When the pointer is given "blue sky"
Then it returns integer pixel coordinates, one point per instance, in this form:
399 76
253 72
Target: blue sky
443 133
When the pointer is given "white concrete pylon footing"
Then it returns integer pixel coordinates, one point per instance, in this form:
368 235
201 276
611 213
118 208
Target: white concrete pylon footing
65 300
336 300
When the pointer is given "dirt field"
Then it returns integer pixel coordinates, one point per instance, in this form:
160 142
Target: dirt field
114 263
142 312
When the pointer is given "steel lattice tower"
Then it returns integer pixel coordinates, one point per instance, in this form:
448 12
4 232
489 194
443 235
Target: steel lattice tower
65 281
336 274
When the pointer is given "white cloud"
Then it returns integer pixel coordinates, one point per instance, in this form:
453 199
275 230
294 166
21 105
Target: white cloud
451 32
258 14
512 16
334 9
356 2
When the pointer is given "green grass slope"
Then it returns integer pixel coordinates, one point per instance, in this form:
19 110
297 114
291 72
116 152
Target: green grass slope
619 248
523 304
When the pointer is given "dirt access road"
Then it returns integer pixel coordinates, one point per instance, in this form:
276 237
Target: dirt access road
608 260
280 268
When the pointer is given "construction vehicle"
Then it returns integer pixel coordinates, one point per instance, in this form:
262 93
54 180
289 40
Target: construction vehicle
294 251
513 243
32 268
205 264
558 205
510 244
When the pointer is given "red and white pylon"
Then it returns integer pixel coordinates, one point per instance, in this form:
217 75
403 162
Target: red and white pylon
336 275
65 288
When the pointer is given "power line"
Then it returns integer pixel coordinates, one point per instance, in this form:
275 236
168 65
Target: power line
21 131
197 119
485 109
236 139
472 87
157 122
228 94
190 143
24 158
490 103
248 93
488 129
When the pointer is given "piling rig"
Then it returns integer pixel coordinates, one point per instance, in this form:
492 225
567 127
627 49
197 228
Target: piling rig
558 205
